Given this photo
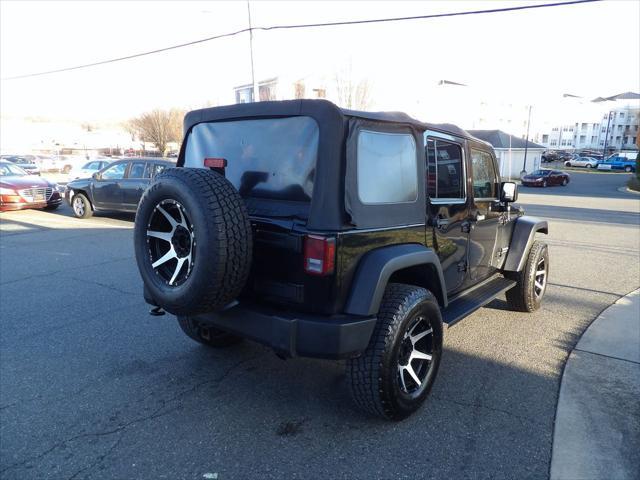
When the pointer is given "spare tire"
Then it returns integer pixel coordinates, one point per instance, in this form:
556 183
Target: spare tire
192 241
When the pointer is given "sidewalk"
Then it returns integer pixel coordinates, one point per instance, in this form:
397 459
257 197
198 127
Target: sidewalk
597 426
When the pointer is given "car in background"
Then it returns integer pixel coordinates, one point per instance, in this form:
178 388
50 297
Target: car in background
588 162
117 187
89 168
618 162
26 162
549 156
563 156
545 178
19 190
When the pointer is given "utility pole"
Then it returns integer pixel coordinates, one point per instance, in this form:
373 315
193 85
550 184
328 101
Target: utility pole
256 91
526 142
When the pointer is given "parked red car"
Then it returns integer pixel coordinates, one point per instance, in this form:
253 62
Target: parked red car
546 178
20 190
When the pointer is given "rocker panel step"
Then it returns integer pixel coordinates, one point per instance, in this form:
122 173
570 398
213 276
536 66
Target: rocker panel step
471 301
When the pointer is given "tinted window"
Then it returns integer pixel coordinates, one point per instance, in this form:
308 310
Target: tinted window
445 174
158 168
484 175
268 158
138 170
387 167
114 172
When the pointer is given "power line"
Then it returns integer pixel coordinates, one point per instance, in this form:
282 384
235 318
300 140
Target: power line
296 26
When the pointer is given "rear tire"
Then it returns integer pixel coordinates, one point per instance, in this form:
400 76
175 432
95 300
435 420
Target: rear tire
589 165
527 294
564 182
81 206
209 336
406 344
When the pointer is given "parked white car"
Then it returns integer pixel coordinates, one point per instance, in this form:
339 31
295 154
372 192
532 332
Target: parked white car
88 169
588 162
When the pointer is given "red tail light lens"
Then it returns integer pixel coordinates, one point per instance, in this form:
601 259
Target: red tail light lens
215 162
319 255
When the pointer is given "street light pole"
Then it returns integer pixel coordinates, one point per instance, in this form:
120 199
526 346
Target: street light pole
256 91
526 142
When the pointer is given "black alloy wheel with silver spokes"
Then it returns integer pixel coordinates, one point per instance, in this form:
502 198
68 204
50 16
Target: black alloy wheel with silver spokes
171 242
394 375
531 282
192 239
540 277
415 356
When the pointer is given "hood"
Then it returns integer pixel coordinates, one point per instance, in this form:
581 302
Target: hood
25 181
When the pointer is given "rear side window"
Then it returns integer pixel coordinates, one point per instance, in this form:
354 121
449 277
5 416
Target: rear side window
266 158
138 170
445 172
484 175
387 167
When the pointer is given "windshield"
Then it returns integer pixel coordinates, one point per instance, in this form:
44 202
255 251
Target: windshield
267 158
541 172
6 169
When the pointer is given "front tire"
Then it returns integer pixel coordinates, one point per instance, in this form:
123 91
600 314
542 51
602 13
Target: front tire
394 375
209 336
627 169
527 294
544 184
589 165
81 206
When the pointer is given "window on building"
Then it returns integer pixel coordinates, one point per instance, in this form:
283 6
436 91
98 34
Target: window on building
484 175
601 142
603 129
545 138
445 174
617 139
633 141
621 115
387 167
583 126
583 138
554 129
595 125
593 139
619 128
553 143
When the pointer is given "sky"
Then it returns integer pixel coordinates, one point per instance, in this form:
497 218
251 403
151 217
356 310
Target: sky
529 56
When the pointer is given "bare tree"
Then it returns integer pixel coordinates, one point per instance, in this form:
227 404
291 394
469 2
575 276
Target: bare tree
158 127
351 93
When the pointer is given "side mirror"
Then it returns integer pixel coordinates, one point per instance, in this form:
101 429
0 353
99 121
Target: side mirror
508 192
96 176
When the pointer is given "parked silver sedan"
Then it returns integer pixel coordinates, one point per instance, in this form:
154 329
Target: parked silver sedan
588 162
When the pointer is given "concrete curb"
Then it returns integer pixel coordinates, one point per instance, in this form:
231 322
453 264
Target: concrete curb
597 426
628 190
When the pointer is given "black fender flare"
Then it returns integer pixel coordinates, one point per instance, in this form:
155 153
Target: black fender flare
377 266
524 232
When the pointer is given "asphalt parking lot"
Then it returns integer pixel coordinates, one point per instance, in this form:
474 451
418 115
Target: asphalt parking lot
91 386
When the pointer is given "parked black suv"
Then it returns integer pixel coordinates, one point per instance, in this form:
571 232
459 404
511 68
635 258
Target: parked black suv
333 233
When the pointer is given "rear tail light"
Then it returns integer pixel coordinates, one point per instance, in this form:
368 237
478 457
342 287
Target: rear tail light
215 163
319 255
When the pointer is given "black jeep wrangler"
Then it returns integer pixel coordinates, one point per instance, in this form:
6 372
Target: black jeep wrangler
332 233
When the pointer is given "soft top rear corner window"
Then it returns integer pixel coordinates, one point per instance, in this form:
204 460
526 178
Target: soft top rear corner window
273 158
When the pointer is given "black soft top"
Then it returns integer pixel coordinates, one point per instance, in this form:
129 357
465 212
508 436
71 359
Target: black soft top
319 109
333 205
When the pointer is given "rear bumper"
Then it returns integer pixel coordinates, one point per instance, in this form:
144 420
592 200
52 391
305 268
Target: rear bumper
335 336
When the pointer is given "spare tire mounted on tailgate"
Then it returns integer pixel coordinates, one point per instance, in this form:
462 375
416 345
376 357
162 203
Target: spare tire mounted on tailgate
192 241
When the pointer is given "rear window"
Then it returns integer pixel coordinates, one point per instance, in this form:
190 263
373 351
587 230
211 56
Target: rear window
266 158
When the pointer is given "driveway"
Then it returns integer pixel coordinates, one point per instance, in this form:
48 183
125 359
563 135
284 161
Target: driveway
91 386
